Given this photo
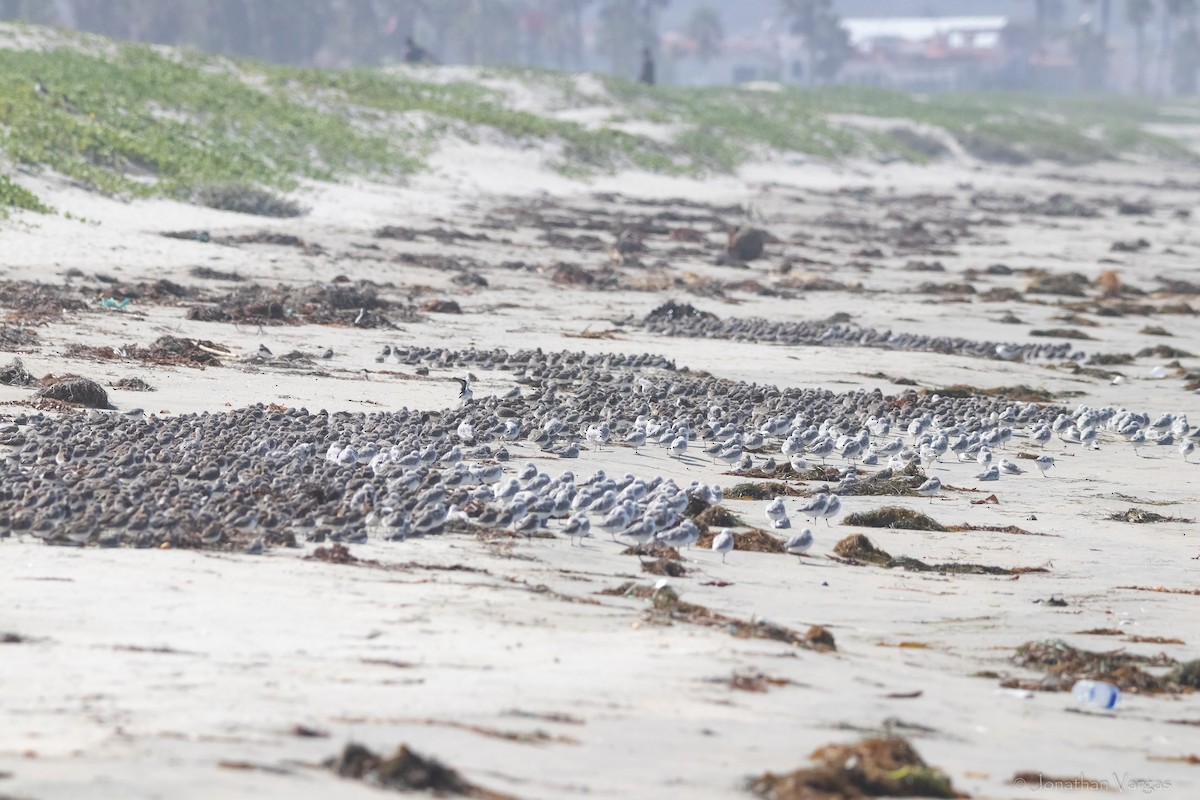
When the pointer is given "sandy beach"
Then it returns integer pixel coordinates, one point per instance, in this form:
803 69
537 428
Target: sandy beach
539 668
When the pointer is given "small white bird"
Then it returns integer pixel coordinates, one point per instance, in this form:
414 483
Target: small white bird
930 488
636 438
1187 448
599 435
641 532
1044 463
678 446
1087 437
685 534
799 463
815 507
776 510
800 544
833 507
465 395
578 527
1010 468
722 543
822 448
730 456
616 520
992 473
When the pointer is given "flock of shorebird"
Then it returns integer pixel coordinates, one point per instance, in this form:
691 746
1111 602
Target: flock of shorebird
266 476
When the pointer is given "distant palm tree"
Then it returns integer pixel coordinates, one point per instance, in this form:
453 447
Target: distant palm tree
627 26
563 35
1173 11
1049 12
1138 13
481 31
826 40
705 29
1105 14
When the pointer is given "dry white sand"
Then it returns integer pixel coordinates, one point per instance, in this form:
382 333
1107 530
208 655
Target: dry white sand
166 673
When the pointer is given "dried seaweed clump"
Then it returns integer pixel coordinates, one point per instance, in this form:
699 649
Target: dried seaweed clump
760 491
404 771
340 303
15 374
13 337
133 385
1141 516
665 565
872 768
1064 664
717 517
857 550
671 311
74 389
753 540
26 301
746 243
243 199
1187 674
894 517
1071 284
860 548
666 607
1020 392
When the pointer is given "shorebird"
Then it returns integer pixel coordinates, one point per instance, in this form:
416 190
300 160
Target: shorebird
679 446
1010 468
800 544
833 507
722 543
578 527
465 395
1043 435
815 507
930 488
616 520
992 473
685 534
776 510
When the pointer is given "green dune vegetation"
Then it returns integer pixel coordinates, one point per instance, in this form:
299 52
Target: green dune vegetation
132 120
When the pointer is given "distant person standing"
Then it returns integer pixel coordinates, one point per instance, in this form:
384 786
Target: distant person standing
647 76
415 54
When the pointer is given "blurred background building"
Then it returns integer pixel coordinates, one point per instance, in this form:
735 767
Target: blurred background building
1127 46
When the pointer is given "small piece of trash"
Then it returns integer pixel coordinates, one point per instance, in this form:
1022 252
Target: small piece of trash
113 304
